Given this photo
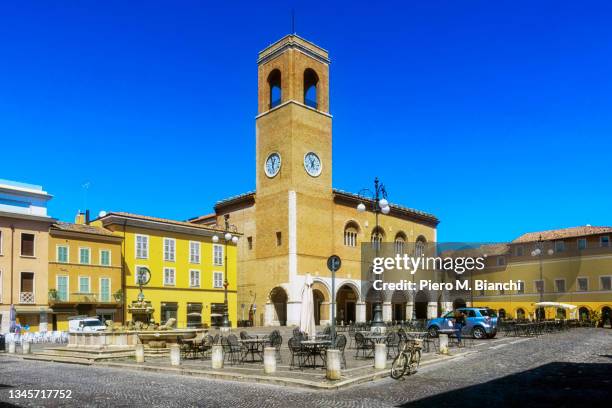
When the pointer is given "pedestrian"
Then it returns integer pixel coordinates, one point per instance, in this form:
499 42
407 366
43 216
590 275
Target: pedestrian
459 318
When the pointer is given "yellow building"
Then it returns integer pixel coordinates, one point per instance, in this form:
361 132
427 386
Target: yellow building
570 265
84 273
188 268
295 220
24 234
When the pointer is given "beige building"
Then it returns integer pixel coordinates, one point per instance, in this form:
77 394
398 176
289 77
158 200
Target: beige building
24 226
295 220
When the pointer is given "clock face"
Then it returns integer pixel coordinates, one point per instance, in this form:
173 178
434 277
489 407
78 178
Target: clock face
312 164
273 164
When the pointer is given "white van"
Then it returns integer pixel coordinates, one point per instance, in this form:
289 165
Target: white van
85 324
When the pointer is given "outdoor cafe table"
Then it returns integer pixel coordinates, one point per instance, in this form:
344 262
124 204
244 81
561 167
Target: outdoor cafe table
254 347
417 334
315 347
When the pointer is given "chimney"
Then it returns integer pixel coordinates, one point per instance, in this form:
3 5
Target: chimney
80 218
87 217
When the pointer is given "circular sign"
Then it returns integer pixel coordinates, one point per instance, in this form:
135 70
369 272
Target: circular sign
144 275
334 263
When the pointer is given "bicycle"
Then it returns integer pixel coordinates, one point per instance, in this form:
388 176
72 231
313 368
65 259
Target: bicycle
408 359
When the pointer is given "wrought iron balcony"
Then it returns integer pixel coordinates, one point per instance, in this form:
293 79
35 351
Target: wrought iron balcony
26 297
83 298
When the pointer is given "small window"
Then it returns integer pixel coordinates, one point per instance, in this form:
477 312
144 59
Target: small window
169 249
194 252
169 310
169 276
250 242
27 244
539 286
217 279
84 256
583 284
105 257
604 241
501 260
84 284
519 250
279 238
142 247
62 288
606 283
62 254
194 314
482 292
399 245
559 246
218 255
521 288
194 278
582 243
560 285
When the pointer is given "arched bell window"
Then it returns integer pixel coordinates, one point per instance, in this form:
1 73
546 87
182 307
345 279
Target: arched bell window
274 82
311 80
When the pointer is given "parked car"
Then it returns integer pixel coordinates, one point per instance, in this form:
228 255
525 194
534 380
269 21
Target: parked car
85 324
480 322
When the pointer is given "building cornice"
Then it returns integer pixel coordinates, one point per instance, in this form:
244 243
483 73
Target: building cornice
28 217
131 221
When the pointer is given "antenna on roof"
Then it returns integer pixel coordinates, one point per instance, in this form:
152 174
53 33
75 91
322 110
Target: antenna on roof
292 21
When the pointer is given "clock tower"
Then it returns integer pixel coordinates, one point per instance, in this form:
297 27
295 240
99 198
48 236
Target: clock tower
294 202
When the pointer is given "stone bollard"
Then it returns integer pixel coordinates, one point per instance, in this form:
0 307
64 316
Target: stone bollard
269 360
380 356
26 347
443 343
11 348
217 356
140 358
333 371
175 355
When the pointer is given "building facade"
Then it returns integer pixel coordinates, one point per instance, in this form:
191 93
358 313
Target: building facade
570 265
84 273
24 236
295 220
188 268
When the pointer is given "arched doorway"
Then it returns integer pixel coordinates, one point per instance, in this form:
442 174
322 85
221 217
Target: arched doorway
583 314
459 303
540 313
398 304
317 299
606 315
520 314
346 301
321 301
420 305
501 313
561 314
278 298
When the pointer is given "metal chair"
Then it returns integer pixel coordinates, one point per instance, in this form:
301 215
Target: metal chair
363 345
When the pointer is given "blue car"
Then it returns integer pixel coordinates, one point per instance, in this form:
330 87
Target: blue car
480 322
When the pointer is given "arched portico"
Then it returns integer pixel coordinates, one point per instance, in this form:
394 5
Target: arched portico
347 303
276 307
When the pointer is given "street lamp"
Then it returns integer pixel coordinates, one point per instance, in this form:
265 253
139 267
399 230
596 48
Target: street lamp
539 251
379 203
225 322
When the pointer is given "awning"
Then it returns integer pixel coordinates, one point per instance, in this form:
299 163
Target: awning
556 304
31 310
194 314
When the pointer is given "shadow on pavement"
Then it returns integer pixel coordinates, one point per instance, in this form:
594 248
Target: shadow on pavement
551 385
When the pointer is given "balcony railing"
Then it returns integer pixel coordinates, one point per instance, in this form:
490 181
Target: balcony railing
26 297
82 298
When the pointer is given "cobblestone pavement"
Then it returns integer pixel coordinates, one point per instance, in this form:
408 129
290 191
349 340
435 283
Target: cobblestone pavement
556 370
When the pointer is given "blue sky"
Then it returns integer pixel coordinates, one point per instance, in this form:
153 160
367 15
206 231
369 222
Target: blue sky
495 116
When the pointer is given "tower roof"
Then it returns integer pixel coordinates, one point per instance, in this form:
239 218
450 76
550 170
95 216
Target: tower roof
293 41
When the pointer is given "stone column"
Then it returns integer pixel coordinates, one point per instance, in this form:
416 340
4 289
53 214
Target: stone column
217 356
443 343
333 371
409 310
360 310
293 313
387 314
327 319
140 357
269 360
380 356
175 355
432 310
270 318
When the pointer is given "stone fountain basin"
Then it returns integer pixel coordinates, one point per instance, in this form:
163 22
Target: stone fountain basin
108 339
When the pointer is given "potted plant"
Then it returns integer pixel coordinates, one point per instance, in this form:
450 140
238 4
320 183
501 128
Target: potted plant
118 295
53 294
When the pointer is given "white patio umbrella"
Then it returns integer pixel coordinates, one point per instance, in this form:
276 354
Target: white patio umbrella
571 308
307 320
